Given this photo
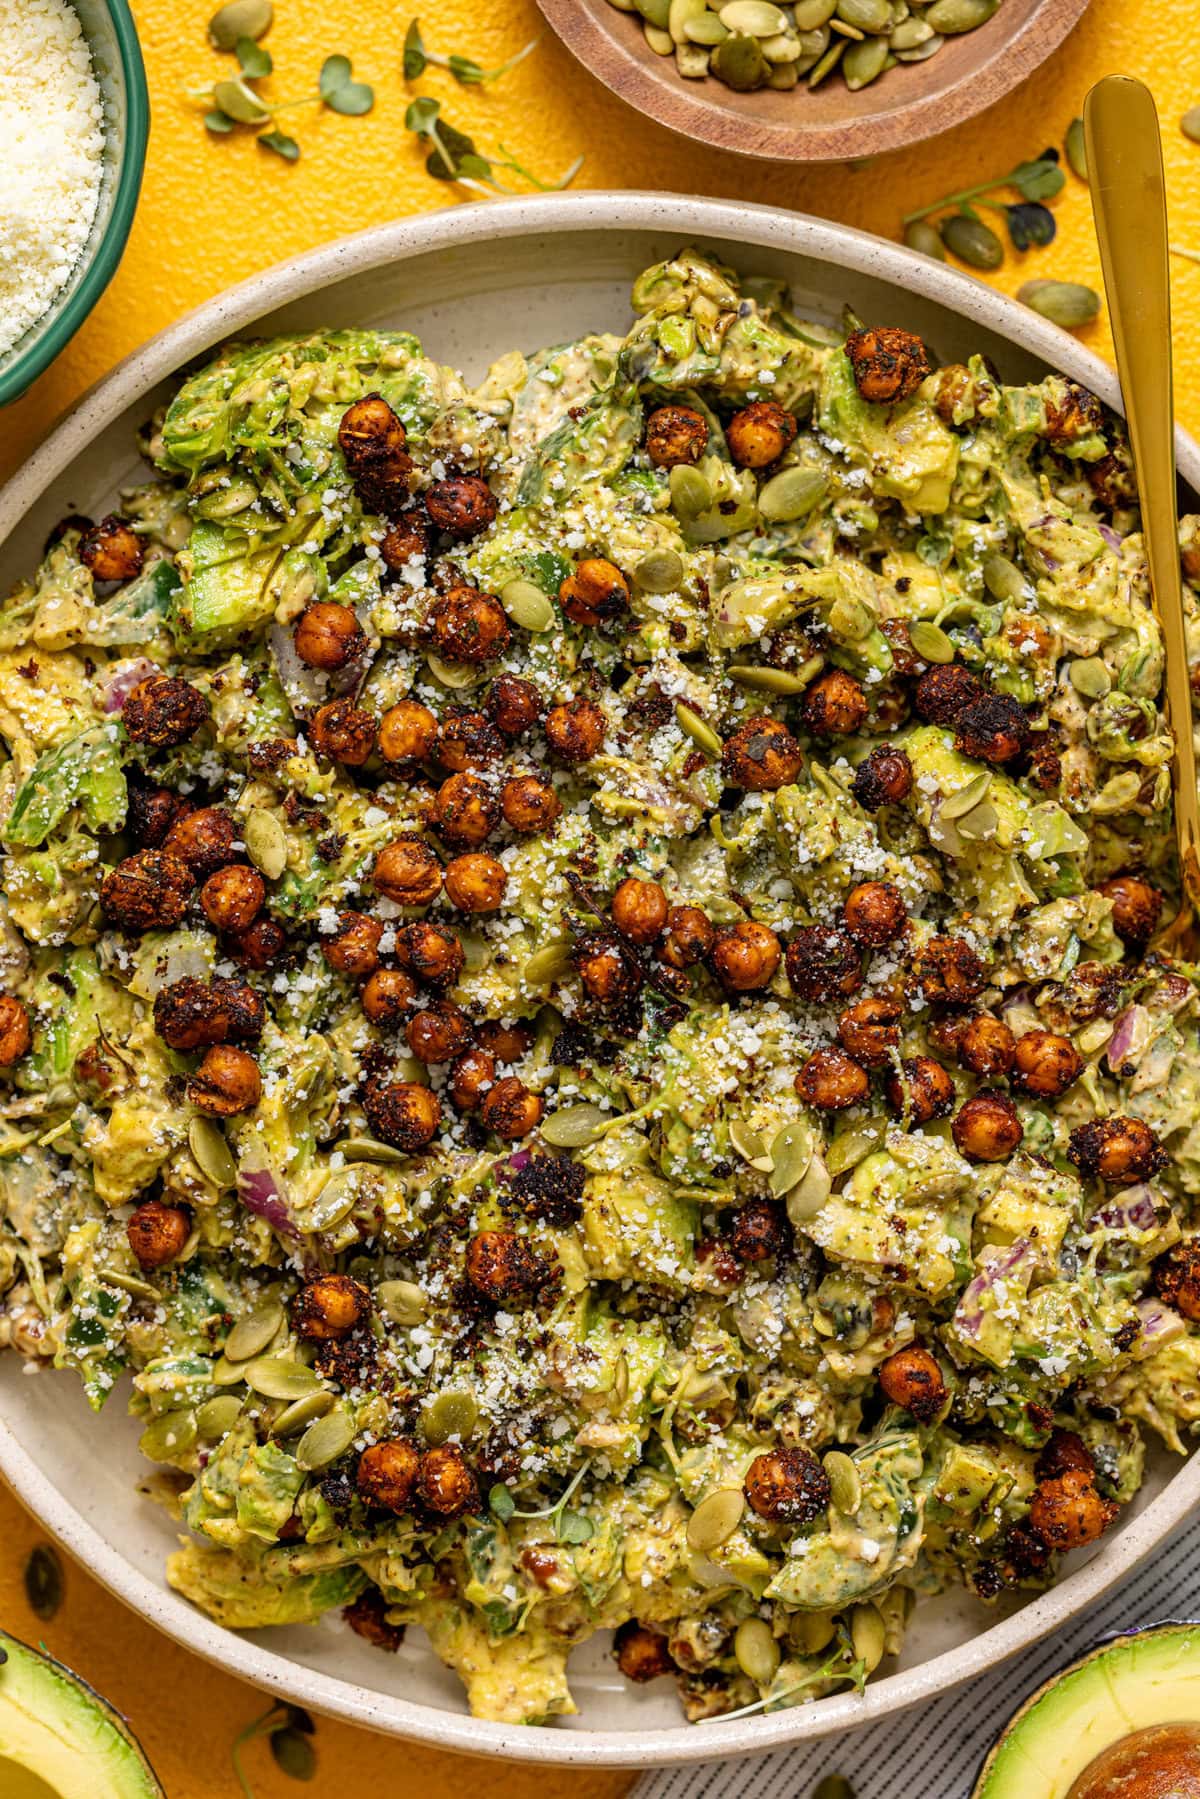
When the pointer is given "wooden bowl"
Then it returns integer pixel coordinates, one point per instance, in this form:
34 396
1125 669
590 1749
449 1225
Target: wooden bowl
830 124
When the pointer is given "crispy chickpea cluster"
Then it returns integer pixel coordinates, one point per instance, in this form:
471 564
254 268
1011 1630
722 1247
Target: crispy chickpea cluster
913 1380
372 439
461 505
1069 1512
1176 1277
674 435
823 965
1136 908
402 1113
761 756
1115 1149
787 1486
329 636
594 594
157 1233
641 1653
164 711
112 550
759 434
147 891
883 778
835 705
468 626
888 364
330 1307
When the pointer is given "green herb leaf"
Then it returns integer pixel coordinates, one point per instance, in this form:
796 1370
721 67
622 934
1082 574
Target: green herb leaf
1039 180
280 143
575 1527
253 60
218 122
294 1754
450 147
339 92
421 114
44 1582
465 69
501 1503
415 59
335 73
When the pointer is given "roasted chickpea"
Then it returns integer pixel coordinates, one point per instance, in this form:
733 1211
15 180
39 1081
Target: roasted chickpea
759 434
430 952
1072 413
148 890
438 1033
835 705
387 1474
157 1233
745 956
1068 1512
259 946
388 997
575 730
475 883
407 542
1136 908
869 1030
507 1042
595 593
1114 484
609 970
471 1077
641 1653
787 1486
15 1033
761 756
204 839
529 804
923 1090
987 1128
368 1619
407 871
883 779
510 1109
874 913
446 1484
461 505
330 1307
343 732
112 550
889 364
943 1030
690 937
407 733
639 909
1045 1064
831 1080
1176 1276
267 755
948 972
993 729
501 1267
913 1380
164 711
372 439
1116 1149
329 636
191 1014
353 948
467 740
944 691
823 964
759 1231
1063 1449
227 1082
232 898
466 811
402 1113
468 626
985 1045
151 813
513 704
675 434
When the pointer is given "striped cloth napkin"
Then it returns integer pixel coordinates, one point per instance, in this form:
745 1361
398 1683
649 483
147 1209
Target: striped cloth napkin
935 1751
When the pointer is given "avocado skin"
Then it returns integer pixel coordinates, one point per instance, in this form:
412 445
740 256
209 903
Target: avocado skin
63 1737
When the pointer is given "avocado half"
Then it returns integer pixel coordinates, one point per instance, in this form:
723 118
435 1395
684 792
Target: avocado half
1125 1719
59 1739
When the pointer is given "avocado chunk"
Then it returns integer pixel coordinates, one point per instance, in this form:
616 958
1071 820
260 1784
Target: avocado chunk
1128 1700
59 1739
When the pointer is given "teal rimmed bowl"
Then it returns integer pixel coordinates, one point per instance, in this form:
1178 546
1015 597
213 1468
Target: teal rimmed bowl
117 59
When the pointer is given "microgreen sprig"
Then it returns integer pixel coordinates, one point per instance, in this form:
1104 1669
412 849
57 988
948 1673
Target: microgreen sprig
236 101
856 1673
454 156
569 1526
1028 221
1040 179
289 1729
418 57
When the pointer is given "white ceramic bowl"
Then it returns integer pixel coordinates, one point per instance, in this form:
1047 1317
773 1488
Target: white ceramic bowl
473 282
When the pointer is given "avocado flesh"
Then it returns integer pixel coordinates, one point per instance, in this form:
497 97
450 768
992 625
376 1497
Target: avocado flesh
59 1740
1122 1687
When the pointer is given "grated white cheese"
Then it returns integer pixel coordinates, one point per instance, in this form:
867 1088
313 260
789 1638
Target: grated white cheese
51 148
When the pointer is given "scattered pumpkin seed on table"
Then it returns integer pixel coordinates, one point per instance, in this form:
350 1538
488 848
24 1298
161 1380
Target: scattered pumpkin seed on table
1065 303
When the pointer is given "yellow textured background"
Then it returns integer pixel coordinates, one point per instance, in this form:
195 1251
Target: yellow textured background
214 211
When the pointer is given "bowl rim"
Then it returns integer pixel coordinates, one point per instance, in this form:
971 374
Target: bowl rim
752 227
101 264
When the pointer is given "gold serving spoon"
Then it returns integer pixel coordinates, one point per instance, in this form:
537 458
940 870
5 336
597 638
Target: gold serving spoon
1125 172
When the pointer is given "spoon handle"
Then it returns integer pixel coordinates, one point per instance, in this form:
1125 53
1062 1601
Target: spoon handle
1125 171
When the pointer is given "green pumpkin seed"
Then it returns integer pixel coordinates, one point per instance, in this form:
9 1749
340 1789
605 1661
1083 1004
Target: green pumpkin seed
128 1283
451 1414
781 50
1003 579
660 571
739 63
1075 145
325 1440
791 494
212 1154
275 1377
218 1416
849 620
546 965
925 238
810 1193
1065 303
301 1412
758 18
266 843
238 100
791 1153
811 1632
1189 124
241 18
369 1149
715 1519
867 1636
168 1436
691 61
784 77
965 799
756 1651
864 63
930 642
910 34
865 15
1094 1036
655 12
44 1582
527 605
707 30
680 12
253 1331
972 241
776 680
923 52
750 1145
226 1373
661 42
455 676
344 1189
845 1487
1090 677
574 1127
827 64
979 823
695 727
402 1302
950 18
848 1150
690 492
811 15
